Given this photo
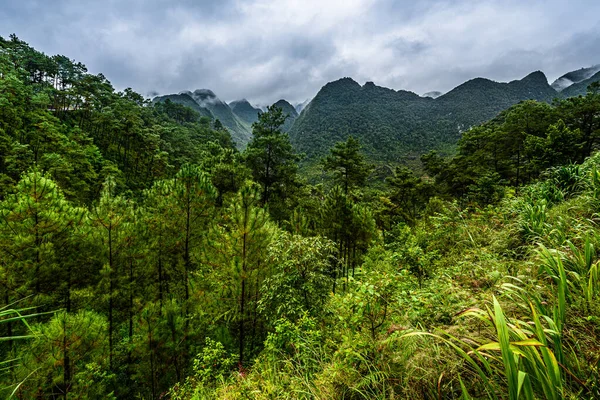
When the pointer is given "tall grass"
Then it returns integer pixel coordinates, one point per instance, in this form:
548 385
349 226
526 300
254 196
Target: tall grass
8 315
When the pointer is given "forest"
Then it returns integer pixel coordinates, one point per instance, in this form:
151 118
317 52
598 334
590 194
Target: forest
143 256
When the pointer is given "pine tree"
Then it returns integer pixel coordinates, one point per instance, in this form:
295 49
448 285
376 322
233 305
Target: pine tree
112 218
272 160
243 266
39 242
348 164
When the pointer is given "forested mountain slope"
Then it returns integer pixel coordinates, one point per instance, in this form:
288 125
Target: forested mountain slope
289 111
245 111
573 77
580 88
395 124
207 103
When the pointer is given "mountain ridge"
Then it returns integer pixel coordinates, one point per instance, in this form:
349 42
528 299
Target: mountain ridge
574 77
395 124
208 104
391 124
245 111
289 111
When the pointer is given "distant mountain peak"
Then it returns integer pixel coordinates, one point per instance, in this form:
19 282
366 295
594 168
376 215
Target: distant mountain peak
573 77
536 76
283 102
207 103
343 82
245 111
288 110
301 106
205 92
433 94
241 102
205 98
390 123
580 88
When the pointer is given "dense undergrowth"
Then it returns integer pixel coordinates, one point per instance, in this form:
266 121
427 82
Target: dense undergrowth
507 308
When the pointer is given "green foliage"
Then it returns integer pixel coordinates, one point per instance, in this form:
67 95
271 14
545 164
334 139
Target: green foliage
350 170
82 340
517 147
272 161
211 367
399 124
300 282
199 272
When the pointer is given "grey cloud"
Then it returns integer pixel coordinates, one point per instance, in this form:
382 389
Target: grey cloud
264 50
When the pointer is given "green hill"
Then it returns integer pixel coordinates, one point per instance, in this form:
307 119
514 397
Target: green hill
245 111
209 104
288 110
573 77
394 125
580 88
186 100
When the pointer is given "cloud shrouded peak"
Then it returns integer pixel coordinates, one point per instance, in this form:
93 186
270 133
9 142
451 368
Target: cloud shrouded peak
264 50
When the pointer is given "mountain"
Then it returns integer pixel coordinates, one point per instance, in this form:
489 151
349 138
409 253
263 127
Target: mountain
433 95
186 100
573 77
288 110
207 103
301 106
245 111
394 125
580 88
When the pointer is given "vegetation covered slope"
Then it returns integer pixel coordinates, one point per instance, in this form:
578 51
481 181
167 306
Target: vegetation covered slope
185 100
214 107
580 88
394 125
245 111
465 301
573 77
289 111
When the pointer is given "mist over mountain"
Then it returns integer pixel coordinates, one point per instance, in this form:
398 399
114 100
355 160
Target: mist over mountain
301 106
186 100
245 111
237 116
391 124
580 88
434 94
208 104
573 77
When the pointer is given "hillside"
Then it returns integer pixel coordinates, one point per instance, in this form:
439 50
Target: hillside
207 103
399 124
245 111
288 110
186 100
141 252
573 77
580 88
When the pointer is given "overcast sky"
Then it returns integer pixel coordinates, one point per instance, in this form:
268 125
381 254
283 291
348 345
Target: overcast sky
264 50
